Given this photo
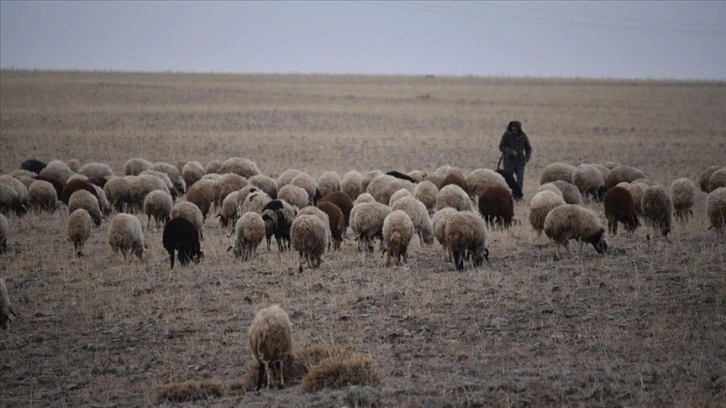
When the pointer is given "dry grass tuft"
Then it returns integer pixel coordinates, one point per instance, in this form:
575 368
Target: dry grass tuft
338 372
191 390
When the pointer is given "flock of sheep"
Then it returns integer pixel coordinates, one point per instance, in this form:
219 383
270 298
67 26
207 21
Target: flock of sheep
312 216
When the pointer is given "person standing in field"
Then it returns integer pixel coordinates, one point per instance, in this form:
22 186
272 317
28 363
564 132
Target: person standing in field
516 152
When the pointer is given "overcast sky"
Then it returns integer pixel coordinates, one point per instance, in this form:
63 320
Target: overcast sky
683 40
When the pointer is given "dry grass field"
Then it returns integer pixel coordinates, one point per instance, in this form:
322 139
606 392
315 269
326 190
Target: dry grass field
644 325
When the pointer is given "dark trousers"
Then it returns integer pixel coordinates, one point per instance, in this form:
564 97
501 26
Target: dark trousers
514 185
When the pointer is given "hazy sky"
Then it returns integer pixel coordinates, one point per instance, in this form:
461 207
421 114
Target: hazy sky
685 40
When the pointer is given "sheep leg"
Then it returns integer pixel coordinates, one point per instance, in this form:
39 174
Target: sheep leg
260 376
282 380
302 259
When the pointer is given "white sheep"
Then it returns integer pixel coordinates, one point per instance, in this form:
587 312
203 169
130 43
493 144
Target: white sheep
419 215
569 191
657 209
623 173
117 190
286 177
382 187
717 179
95 170
135 165
309 236
213 166
270 337
310 185
265 184
310 210
397 233
255 202
439 221
190 212
550 187
6 311
158 205
352 184
79 229
453 196
716 209
368 177
367 223
248 233
192 172
240 165
683 194
426 192
125 236
417 175
399 194
572 221
705 177
466 238
174 175
479 179
328 182
42 196
589 181
60 172
541 205
364 198
294 195
557 171
89 202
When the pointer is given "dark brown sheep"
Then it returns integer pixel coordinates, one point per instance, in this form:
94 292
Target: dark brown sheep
620 207
496 205
57 184
343 201
278 216
182 236
336 220
75 185
453 178
33 165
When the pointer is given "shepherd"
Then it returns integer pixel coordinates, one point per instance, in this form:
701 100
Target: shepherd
516 152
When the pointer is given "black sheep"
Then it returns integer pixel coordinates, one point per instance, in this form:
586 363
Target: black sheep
278 220
182 236
33 165
398 174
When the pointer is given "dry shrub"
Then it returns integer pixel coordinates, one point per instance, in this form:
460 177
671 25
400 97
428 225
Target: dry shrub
338 372
190 391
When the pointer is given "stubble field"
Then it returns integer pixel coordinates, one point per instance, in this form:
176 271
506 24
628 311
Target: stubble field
643 326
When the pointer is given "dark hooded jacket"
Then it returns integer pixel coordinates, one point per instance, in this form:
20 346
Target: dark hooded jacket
519 143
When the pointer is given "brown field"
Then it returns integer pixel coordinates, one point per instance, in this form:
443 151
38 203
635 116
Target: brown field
643 326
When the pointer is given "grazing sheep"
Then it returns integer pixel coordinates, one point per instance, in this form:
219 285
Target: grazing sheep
74 185
426 192
329 182
79 229
716 209
399 194
33 165
336 221
557 171
648 182
417 175
140 186
158 204
26 180
226 184
240 165
182 236
248 233
439 221
278 216
683 194
102 200
270 337
174 175
117 190
368 177
190 212
481 178
42 196
57 184
214 166
309 236
162 179
367 222
310 210
310 185
717 179
496 205
228 210
397 174
623 173
125 236
74 165
589 181
10 200
569 191
4 231
20 189
59 172
382 187
254 202
637 191
705 177
453 178
437 177
96 170
192 172
453 196
364 198
657 209
541 205
419 216
343 201
135 165
294 195
466 238
620 207
87 201
571 221
202 194
352 184
265 184
397 233
6 311
286 177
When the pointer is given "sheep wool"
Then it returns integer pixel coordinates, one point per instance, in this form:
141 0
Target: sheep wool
466 237
135 165
569 191
158 205
716 209
125 236
426 192
264 183
589 181
439 221
270 338
192 172
717 179
419 215
657 208
202 194
541 205
705 177
249 232
367 223
496 205
479 179
683 194
397 233
570 221
89 202
343 201
294 195
96 170
620 207
329 182
453 196
352 184
557 171
79 229
42 196
309 236
190 212
623 173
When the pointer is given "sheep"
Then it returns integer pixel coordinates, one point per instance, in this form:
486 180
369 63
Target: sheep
336 221
367 178
439 221
439 174
228 210
240 165
4 231
399 194
10 200
190 212
496 205
164 179
33 165
367 222
417 175
716 209
255 202
364 198
717 179
20 190
270 337
6 311
192 172
57 184
419 216
397 233
382 187
278 216
572 221
657 208
604 170
426 192
397 174
481 178
202 194
96 170
343 201
352 184
265 184
286 177
453 196
227 183
125 236
542 203
74 185
454 178
589 181
620 207
174 175
569 191
135 165
27 181
294 195
89 202
683 194
158 205
307 183
329 182
623 173
637 191
79 229
214 166
466 237
648 182
117 190
59 172
309 236
249 231
74 165
705 177
182 236
310 210
557 171
42 196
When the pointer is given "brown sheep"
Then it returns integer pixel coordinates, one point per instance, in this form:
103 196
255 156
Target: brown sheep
343 201
74 185
496 205
620 207
336 219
